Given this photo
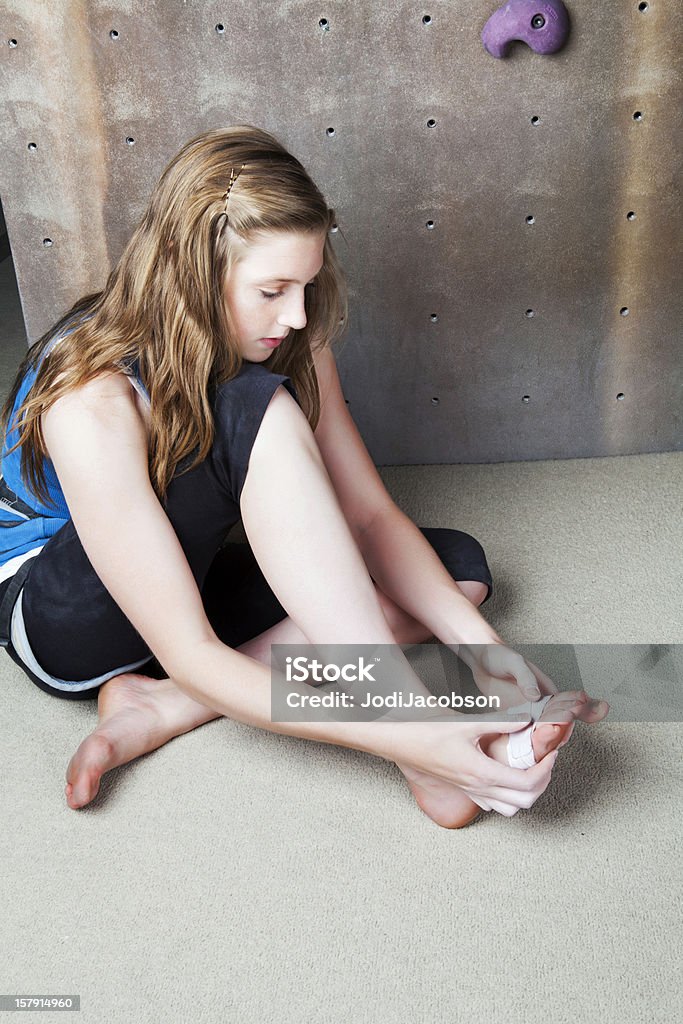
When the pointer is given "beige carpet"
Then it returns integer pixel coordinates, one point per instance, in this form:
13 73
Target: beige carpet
239 875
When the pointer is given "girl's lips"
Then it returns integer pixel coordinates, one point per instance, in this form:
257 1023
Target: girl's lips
273 342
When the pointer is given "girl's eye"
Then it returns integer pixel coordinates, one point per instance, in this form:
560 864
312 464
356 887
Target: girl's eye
276 295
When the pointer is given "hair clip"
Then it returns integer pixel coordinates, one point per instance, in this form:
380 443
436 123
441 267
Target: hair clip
233 179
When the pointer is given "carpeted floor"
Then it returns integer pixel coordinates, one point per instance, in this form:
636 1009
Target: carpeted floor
240 875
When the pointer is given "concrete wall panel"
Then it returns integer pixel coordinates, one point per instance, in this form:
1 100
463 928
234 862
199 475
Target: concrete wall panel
530 355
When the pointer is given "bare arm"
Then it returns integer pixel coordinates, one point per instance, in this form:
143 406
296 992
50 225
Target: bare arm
405 566
98 446
399 558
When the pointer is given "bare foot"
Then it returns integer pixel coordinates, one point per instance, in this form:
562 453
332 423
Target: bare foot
137 714
450 807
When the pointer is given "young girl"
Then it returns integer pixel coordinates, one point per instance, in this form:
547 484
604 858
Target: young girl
197 388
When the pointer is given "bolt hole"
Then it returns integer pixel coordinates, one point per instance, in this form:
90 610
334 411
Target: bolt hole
113 34
430 225
526 399
431 123
630 216
130 141
535 120
330 131
638 116
324 24
434 317
621 396
624 310
529 313
435 401
12 43
531 219
334 229
220 28
538 21
643 7
427 19
47 242
32 147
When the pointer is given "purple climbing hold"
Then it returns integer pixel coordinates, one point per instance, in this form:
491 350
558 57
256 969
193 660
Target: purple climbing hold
542 24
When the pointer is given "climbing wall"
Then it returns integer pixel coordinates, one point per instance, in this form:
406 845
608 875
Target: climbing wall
510 219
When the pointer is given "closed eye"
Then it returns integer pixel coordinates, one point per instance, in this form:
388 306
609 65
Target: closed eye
275 295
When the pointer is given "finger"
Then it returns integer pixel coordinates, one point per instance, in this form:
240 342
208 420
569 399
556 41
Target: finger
502 808
500 781
526 679
545 683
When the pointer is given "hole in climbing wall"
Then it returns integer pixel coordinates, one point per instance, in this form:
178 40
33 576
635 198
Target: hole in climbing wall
631 215
435 401
643 7
538 21
12 43
324 24
529 313
526 399
47 242
130 141
334 229
535 119
220 28
531 219
32 147
427 19
430 225
113 34
330 131
431 123
638 116
624 310
620 396
434 317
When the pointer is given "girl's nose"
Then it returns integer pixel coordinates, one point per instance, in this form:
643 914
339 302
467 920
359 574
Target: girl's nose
293 315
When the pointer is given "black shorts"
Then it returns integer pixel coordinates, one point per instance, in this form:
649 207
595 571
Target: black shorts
238 602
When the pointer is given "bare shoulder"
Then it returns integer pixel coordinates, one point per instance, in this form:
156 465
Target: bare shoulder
109 384
106 400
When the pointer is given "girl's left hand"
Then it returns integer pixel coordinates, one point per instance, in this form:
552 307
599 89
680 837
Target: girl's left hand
501 672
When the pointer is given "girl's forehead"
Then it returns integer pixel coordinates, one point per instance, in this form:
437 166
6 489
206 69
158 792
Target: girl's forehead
277 254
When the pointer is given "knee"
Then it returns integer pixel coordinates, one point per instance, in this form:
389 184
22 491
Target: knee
474 591
465 559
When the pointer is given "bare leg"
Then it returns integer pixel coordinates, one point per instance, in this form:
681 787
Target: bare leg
138 714
302 541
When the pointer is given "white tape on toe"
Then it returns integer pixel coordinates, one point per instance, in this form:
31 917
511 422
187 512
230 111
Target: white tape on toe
520 750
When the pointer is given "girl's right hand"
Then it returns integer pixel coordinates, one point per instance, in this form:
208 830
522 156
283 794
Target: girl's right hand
449 749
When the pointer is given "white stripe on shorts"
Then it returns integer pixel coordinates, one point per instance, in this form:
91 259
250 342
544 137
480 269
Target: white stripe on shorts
21 646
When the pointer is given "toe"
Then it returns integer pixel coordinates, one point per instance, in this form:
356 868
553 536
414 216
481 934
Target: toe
544 738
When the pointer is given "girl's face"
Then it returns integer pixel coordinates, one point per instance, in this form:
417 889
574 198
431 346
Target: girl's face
265 291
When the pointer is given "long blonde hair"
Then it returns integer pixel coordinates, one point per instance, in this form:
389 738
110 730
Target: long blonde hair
163 302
